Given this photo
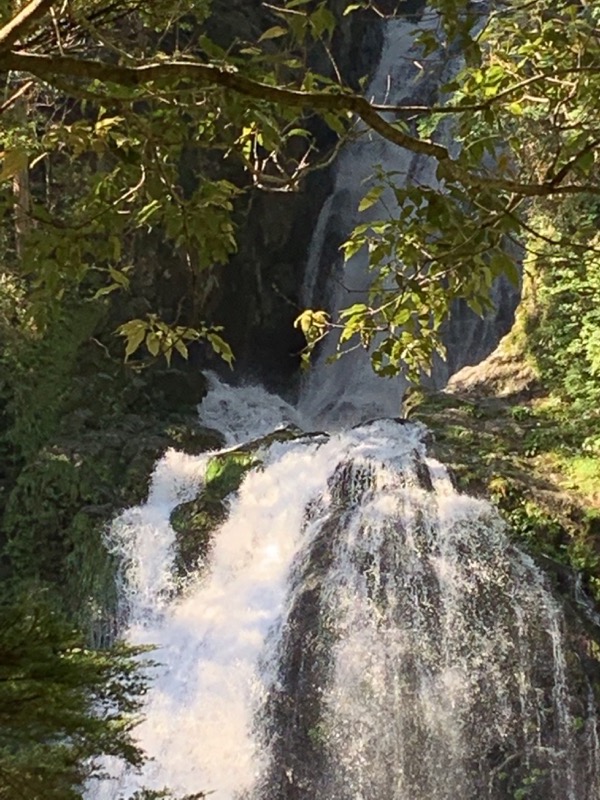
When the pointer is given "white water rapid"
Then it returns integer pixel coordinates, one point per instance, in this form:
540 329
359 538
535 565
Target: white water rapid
358 631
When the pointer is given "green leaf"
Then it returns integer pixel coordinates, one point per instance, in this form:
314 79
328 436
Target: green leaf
402 316
352 247
119 277
181 348
153 343
106 123
371 197
104 290
322 21
211 48
147 211
511 271
221 348
336 122
586 161
134 341
355 310
273 33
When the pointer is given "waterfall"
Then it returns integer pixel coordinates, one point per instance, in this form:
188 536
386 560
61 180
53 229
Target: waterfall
344 392
359 631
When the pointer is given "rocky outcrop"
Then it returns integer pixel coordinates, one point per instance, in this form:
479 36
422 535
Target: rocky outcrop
65 497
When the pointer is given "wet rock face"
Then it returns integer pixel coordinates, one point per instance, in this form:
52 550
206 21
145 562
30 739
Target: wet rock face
470 338
174 389
423 658
293 712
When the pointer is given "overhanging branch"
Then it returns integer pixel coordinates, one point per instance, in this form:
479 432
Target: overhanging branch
49 67
52 68
16 27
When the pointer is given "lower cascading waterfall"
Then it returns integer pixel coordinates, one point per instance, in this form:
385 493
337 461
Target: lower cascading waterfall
359 631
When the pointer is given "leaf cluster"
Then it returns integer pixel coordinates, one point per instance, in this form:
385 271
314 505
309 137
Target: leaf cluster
521 111
161 339
107 165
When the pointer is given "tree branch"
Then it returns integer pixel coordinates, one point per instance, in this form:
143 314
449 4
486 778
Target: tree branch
14 28
50 67
15 96
566 168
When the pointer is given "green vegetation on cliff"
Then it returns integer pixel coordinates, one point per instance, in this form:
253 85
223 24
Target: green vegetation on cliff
524 426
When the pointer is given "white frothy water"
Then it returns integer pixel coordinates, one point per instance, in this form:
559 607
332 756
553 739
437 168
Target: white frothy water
199 715
429 670
359 631
199 721
245 413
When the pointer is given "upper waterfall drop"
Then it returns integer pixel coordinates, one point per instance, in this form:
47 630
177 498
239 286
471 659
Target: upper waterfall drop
347 391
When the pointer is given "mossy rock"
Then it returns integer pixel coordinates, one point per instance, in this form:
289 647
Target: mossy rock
194 523
225 472
507 451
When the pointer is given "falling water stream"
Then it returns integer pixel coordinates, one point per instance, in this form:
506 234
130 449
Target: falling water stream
344 392
359 630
